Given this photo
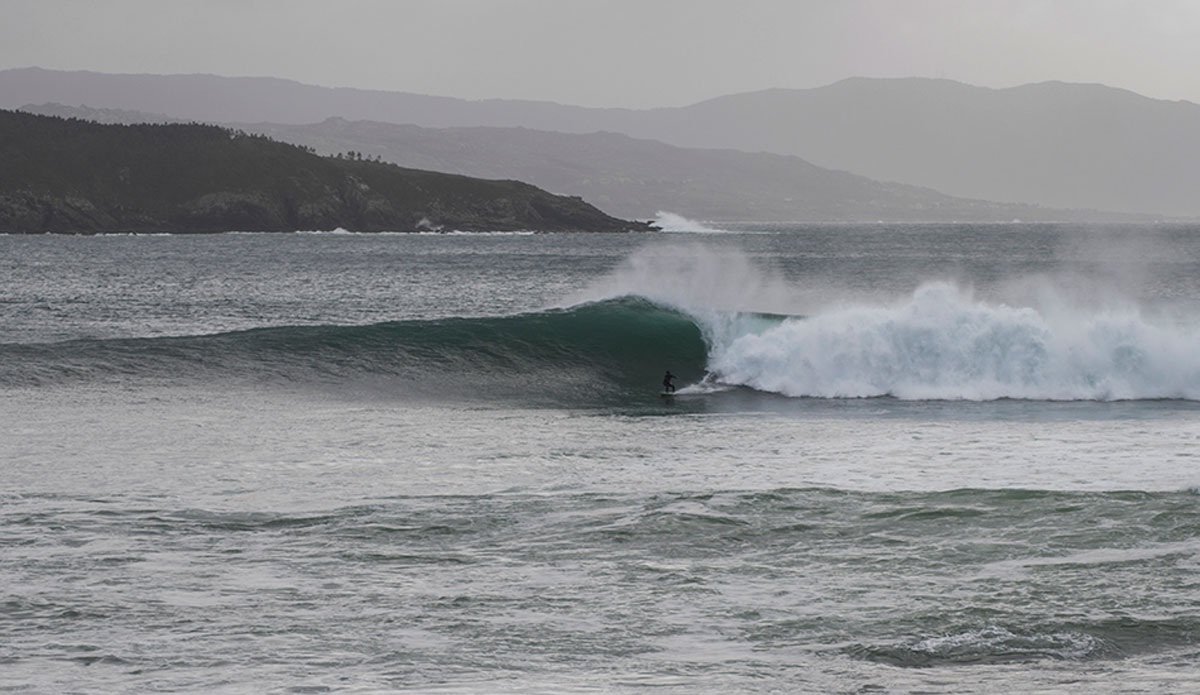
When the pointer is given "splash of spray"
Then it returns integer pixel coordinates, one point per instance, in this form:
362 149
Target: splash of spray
944 344
695 278
940 342
671 222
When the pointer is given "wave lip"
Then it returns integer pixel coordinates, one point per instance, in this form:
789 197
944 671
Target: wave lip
942 345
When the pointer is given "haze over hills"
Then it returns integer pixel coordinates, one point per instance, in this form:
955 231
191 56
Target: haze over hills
214 99
636 178
630 177
1050 144
1055 144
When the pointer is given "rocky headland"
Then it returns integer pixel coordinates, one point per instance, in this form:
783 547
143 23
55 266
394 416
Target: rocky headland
78 177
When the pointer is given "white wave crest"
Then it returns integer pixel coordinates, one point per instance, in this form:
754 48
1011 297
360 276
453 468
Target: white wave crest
994 639
942 344
671 222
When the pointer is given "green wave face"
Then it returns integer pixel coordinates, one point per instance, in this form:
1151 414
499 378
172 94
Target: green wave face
602 352
599 353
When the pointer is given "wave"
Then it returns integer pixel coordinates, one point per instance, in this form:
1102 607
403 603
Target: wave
940 344
995 644
672 222
593 352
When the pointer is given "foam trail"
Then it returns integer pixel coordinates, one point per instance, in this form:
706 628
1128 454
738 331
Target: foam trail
671 222
943 344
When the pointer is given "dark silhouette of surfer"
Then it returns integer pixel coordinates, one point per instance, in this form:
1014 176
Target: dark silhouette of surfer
668 387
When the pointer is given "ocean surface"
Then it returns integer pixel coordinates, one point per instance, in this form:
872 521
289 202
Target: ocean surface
902 459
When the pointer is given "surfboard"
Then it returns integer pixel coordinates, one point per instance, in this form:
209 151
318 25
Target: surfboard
666 394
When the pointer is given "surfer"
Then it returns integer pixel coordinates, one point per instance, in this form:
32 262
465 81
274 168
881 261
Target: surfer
668 387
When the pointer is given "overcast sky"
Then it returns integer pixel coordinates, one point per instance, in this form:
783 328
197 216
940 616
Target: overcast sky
630 53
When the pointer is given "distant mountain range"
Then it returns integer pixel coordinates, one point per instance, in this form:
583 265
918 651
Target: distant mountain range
1055 144
628 177
1050 145
73 176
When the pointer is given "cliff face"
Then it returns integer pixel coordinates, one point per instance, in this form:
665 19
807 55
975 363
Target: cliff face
69 176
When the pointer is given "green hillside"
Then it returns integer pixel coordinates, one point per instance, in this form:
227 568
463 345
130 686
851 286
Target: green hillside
72 176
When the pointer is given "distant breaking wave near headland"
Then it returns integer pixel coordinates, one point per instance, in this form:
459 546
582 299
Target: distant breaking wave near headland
672 222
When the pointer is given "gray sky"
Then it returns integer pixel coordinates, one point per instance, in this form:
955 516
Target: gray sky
631 53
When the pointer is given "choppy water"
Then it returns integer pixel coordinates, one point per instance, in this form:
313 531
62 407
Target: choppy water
903 459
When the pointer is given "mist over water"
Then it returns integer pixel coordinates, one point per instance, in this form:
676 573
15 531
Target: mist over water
693 276
1072 338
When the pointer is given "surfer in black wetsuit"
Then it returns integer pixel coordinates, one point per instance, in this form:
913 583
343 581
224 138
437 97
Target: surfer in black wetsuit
667 385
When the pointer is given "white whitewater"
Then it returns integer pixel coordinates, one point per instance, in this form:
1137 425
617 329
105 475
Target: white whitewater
939 343
672 222
943 344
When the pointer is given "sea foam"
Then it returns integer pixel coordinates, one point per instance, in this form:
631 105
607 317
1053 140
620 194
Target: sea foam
944 344
1036 339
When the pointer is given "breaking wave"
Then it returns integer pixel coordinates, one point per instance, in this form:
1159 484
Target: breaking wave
943 344
715 318
672 222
